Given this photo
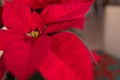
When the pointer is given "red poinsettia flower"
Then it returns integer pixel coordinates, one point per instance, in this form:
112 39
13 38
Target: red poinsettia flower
37 41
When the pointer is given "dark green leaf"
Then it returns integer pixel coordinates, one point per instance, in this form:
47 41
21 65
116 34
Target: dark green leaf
9 76
78 33
37 76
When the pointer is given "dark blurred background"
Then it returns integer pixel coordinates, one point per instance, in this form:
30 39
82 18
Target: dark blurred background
103 25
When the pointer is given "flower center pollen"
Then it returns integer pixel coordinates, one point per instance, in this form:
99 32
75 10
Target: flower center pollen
34 33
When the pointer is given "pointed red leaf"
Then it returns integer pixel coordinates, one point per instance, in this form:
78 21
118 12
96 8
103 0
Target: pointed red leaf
39 51
64 16
19 18
71 50
2 68
53 68
7 37
16 58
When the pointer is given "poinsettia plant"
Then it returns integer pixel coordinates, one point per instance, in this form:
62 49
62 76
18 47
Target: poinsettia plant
37 40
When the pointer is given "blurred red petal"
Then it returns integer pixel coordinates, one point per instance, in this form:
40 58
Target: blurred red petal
39 52
76 23
2 68
97 57
53 68
7 37
37 22
65 16
71 50
22 57
62 12
16 58
37 4
19 18
33 4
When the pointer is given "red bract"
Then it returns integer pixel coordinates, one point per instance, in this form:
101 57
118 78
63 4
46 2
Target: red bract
61 56
39 3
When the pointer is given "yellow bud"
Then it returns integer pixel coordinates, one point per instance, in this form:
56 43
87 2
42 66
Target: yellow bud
34 33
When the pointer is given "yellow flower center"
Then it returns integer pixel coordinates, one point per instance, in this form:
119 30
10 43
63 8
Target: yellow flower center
34 33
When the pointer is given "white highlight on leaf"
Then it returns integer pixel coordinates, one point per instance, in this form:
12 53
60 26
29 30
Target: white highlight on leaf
28 34
1 53
4 28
